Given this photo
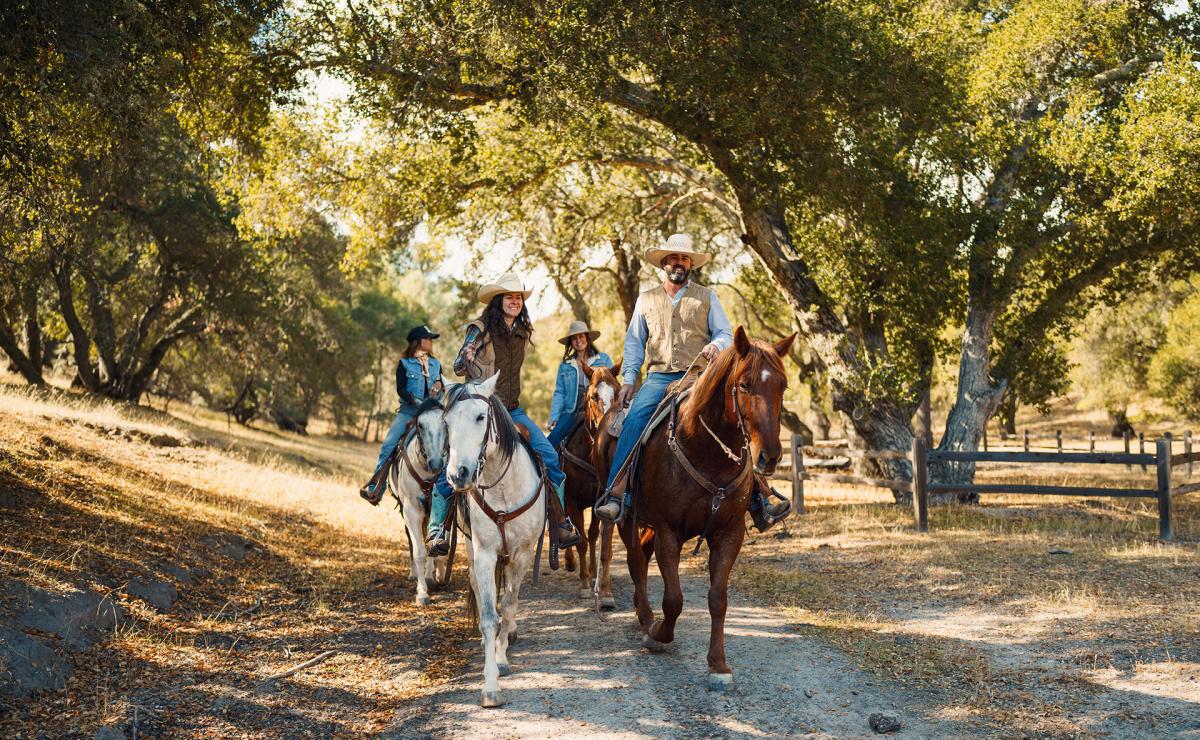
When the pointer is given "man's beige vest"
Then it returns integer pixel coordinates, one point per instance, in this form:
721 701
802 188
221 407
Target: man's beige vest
676 333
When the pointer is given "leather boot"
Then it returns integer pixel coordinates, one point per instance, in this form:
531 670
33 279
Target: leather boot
611 507
763 513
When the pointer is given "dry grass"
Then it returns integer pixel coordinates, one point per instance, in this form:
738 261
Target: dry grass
90 502
980 614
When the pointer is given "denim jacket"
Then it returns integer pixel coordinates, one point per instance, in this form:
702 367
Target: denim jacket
411 387
565 387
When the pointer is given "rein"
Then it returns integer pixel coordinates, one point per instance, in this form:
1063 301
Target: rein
716 492
426 484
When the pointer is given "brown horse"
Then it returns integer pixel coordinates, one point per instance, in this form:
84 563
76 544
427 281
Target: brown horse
695 481
582 485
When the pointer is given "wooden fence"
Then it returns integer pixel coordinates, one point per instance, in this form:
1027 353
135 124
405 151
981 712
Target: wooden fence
921 486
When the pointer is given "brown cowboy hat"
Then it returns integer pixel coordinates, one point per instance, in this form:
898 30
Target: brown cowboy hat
506 283
676 244
578 327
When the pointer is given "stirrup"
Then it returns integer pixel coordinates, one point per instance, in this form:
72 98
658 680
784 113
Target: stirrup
568 540
766 514
436 543
373 494
610 498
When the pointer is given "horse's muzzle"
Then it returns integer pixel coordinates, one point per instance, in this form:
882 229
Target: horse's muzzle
764 465
460 478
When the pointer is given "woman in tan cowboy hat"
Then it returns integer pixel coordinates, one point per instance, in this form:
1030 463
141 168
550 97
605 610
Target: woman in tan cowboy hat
496 341
571 381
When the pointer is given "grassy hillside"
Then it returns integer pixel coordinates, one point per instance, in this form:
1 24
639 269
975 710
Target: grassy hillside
273 556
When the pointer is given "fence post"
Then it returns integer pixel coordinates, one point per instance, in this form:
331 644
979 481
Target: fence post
1091 441
1142 447
920 481
1125 436
1164 489
1187 450
1026 437
985 439
1058 439
797 475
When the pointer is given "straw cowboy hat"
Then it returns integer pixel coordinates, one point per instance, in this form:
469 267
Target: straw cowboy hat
506 283
676 244
578 327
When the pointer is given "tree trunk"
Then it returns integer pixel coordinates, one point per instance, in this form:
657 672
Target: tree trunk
29 369
1007 415
978 398
881 422
628 282
1120 423
81 342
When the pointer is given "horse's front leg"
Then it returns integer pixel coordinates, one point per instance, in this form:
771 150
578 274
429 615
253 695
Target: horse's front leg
724 547
411 511
514 576
581 549
484 583
605 575
639 563
666 551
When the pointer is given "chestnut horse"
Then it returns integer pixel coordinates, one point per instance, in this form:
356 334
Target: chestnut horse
583 486
695 481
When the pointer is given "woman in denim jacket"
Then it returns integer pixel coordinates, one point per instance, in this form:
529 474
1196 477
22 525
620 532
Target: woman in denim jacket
418 376
566 404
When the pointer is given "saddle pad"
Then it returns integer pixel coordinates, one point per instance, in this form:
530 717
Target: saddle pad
673 397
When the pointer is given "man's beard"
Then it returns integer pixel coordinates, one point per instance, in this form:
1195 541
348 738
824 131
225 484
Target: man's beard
678 275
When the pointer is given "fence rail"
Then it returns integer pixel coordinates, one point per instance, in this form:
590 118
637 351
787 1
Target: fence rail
920 486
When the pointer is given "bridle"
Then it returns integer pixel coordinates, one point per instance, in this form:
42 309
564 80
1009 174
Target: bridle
499 518
716 492
426 484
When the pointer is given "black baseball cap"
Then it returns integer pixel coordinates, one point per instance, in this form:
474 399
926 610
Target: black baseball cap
421 332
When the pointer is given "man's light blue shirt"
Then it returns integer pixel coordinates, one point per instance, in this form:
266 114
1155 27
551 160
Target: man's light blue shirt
719 331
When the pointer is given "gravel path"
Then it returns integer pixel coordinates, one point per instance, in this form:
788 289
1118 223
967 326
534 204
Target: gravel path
576 675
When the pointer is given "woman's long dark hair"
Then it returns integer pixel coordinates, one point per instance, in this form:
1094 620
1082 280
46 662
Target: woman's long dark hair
493 318
571 353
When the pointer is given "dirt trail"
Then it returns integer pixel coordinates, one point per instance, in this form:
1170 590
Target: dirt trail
577 675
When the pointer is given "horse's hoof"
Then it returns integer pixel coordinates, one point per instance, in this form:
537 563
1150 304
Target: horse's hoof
512 637
492 699
505 669
720 681
585 592
653 645
570 566
608 603
423 600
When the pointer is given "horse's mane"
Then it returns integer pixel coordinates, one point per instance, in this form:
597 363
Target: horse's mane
507 436
428 405
712 382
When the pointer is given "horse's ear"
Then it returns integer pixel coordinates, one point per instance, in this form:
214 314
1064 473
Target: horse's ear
488 387
588 371
741 341
785 344
616 369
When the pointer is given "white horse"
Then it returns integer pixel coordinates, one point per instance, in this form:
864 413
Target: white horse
421 457
489 465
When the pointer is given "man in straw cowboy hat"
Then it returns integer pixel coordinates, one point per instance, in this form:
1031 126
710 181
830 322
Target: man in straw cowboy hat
673 324
497 341
571 382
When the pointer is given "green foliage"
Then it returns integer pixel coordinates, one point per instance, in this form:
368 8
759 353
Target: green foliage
1174 371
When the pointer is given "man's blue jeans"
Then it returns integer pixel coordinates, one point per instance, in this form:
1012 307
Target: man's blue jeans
441 502
392 440
640 410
